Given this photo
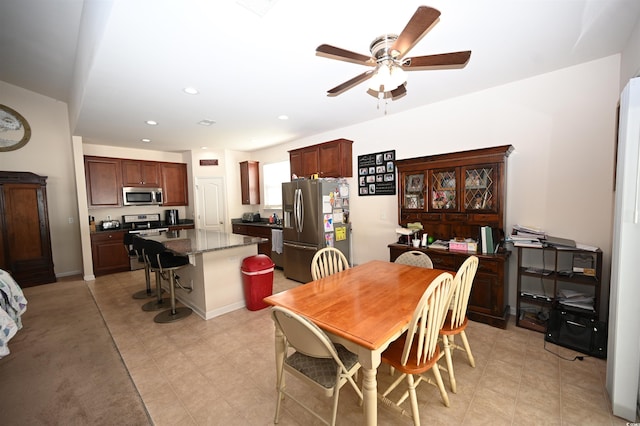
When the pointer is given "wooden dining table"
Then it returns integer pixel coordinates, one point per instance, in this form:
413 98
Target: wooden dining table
363 308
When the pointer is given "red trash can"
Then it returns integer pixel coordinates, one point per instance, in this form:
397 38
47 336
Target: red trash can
257 279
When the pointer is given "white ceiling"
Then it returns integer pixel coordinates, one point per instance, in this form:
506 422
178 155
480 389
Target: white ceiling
119 63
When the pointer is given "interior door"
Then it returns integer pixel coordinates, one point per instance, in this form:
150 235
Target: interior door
210 206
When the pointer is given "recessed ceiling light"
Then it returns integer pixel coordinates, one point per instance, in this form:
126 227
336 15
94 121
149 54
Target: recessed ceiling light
283 117
203 147
206 122
191 90
151 123
145 140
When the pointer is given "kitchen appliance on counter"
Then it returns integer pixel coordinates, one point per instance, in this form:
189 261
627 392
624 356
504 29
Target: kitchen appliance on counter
315 215
133 196
251 217
110 224
141 224
171 217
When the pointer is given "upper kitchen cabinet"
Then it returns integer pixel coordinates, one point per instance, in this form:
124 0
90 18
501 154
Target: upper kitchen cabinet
454 194
250 182
328 159
140 173
104 181
174 184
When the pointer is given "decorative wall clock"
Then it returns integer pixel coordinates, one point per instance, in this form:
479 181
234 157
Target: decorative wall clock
15 131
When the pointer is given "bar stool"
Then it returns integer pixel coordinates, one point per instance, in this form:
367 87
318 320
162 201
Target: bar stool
129 239
162 261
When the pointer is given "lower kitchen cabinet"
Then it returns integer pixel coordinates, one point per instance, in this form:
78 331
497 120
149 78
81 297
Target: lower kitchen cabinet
260 231
488 299
108 253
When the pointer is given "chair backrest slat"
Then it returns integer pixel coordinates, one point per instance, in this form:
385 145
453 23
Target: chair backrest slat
328 261
428 319
415 258
461 290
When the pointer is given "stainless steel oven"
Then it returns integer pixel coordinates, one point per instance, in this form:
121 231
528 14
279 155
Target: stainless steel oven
142 224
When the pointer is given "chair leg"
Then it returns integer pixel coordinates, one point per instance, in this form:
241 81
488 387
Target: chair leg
173 314
336 393
467 348
160 302
440 383
147 292
448 357
415 412
280 383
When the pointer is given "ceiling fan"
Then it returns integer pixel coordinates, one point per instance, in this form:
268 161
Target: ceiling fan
387 57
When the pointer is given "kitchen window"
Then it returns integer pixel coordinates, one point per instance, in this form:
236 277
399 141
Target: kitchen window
274 174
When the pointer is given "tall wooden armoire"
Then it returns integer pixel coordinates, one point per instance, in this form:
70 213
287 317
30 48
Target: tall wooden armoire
25 241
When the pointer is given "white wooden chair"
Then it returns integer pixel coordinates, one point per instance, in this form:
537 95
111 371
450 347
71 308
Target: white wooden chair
327 261
415 258
456 320
417 351
316 361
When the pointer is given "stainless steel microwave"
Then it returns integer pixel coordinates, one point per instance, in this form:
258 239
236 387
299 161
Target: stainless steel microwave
134 196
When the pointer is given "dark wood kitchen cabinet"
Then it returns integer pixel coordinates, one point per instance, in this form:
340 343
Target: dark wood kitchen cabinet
328 159
140 173
108 253
104 181
173 177
250 182
255 231
25 241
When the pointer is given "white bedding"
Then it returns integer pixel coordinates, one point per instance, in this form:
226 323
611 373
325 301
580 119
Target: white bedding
12 305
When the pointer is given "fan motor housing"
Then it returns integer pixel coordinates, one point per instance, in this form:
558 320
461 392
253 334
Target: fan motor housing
381 47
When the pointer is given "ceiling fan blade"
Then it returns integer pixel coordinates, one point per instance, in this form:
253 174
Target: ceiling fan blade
398 92
417 26
450 60
350 83
394 94
344 55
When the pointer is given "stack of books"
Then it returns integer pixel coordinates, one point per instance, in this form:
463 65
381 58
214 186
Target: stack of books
526 236
486 240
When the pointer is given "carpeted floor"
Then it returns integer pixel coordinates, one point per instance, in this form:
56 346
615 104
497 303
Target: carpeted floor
64 367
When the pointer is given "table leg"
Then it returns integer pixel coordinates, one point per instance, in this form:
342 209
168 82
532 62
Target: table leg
369 360
370 395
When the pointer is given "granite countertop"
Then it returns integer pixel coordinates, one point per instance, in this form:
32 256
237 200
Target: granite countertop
183 222
262 223
195 241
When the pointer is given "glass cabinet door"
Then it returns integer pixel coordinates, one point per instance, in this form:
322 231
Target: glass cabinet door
480 188
442 184
414 191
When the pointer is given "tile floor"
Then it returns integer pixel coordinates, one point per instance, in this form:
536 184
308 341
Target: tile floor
221 372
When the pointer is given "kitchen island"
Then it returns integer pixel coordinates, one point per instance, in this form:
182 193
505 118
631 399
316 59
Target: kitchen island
213 273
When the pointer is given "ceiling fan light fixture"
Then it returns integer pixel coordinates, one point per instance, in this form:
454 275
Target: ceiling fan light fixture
388 75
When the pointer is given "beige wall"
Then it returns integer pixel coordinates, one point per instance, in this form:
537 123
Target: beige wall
49 153
562 126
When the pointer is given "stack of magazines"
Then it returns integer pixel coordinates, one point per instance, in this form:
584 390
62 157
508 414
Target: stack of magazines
526 236
576 299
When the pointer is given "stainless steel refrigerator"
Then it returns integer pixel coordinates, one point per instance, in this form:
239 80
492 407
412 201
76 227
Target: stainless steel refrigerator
315 215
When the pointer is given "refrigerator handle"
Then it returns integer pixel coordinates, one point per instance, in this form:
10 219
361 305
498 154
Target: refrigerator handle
297 206
301 204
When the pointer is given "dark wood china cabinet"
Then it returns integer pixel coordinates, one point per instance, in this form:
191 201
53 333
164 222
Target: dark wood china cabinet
454 195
